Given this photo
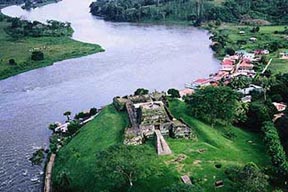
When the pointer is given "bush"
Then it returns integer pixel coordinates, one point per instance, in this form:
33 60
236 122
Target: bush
93 111
12 62
230 51
275 149
37 55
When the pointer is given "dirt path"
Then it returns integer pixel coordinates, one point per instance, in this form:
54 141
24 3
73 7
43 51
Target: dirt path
47 185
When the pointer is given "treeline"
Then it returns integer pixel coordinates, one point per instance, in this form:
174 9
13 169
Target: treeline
194 11
21 28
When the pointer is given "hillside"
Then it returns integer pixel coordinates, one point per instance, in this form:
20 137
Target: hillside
191 11
195 158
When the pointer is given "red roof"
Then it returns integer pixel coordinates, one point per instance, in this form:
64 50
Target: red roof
245 64
200 81
186 92
227 62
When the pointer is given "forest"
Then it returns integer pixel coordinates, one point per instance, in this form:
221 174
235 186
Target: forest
194 11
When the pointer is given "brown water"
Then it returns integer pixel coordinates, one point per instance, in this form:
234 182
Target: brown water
154 57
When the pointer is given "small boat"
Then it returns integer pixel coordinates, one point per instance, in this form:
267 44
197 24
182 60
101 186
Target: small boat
34 179
25 172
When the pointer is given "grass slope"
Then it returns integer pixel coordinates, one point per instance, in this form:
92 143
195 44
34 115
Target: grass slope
78 156
218 149
54 49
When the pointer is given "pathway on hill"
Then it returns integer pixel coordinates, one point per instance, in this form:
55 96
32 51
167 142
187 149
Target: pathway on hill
47 186
162 146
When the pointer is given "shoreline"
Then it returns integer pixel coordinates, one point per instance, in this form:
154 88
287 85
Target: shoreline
26 64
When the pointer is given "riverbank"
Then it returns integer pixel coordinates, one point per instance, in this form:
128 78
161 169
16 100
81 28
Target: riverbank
20 50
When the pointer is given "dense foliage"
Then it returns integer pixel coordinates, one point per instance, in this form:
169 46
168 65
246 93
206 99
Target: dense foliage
248 178
275 149
20 28
214 104
191 10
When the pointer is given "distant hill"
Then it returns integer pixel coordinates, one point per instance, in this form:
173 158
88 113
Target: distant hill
194 11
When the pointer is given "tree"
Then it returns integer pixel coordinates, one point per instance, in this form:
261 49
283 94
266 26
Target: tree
257 114
67 114
183 188
248 179
240 82
141 91
213 103
37 55
93 111
73 127
120 166
230 51
174 93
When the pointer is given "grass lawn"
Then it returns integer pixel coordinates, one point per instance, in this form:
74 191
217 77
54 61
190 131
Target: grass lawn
218 149
54 49
200 157
264 37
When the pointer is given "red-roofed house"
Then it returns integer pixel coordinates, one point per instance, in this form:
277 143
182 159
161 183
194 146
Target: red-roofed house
280 106
245 66
185 92
228 62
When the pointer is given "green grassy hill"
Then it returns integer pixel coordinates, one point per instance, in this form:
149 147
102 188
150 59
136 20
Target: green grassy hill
197 159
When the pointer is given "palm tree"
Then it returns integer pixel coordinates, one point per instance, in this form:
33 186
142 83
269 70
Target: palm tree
67 114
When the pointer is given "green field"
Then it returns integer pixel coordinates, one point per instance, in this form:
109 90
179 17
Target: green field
264 37
200 157
54 49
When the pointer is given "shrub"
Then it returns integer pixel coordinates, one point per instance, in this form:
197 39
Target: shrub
12 62
37 55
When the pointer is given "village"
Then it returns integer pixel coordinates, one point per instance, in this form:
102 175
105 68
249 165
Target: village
237 65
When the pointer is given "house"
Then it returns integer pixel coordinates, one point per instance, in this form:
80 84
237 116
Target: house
248 90
246 99
227 68
279 106
198 83
245 66
185 92
241 52
249 56
261 52
227 61
284 55
253 39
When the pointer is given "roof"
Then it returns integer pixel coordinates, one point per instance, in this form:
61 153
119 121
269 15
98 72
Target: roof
228 62
280 106
185 92
202 81
245 64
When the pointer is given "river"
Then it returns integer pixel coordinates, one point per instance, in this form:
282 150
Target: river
137 55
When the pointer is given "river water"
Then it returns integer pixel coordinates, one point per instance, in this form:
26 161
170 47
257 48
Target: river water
137 55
